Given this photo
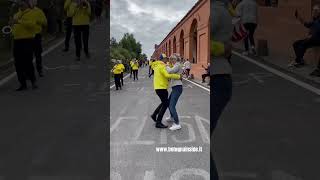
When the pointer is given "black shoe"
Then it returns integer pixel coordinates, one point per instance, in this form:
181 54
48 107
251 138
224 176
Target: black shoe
154 118
315 73
40 74
298 65
160 125
88 55
22 88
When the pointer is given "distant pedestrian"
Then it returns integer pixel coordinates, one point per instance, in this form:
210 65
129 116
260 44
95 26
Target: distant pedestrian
135 69
207 73
117 69
122 71
187 66
247 10
67 24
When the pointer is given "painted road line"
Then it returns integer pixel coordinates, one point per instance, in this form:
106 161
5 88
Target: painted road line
281 74
202 87
12 75
123 79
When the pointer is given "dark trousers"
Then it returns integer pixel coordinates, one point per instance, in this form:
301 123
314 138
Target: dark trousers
135 74
301 46
161 109
117 82
152 72
81 37
204 77
38 52
121 78
23 56
251 28
221 91
131 71
68 26
188 72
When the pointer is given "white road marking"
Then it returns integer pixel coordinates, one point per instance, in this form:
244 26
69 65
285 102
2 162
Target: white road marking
118 121
192 136
115 176
71 84
12 75
281 175
54 68
281 74
125 77
205 136
149 175
258 76
190 171
123 111
202 87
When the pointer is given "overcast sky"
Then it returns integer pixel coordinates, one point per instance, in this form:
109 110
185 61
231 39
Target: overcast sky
149 20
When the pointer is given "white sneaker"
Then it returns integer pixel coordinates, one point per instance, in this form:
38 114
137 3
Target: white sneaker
169 119
175 127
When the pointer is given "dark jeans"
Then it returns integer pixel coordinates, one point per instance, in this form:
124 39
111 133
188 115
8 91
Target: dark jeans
38 52
131 71
81 36
173 99
221 92
161 109
251 28
121 78
23 56
300 47
135 74
204 77
117 81
188 72
68 26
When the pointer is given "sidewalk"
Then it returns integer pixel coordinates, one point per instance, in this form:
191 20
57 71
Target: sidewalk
282 63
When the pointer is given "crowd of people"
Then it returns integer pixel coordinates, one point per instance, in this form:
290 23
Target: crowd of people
28 25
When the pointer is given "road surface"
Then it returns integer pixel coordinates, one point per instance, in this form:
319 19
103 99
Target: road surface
134 138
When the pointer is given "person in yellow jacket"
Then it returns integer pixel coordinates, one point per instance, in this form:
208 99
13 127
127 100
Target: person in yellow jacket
80 11
23 32
68 24
122 71
151 68
116 70
41 23
130 65
161 83
135 68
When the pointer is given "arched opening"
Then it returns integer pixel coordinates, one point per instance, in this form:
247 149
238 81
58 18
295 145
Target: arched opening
194 41
166 48
174 45
181 42
169 53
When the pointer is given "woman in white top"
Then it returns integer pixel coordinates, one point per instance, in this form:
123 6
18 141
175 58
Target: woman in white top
177 89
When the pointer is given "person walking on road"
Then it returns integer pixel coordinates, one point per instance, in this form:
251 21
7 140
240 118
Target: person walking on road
24 29
67 24
122 71
151 71
41 22
117 69
206 74
81 12
160 83
131 64
176 85
135 68
247 10
187 67
220 66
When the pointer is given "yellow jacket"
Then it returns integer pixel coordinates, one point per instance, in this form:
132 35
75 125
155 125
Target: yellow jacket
117 69
232 10
40 18
66 8
135 66
26 26
131 63
161 76
122 67
80 15
217 48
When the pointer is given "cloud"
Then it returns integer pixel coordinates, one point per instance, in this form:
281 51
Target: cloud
149 20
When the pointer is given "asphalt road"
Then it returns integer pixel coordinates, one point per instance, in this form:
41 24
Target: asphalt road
270 129
59 130
134 138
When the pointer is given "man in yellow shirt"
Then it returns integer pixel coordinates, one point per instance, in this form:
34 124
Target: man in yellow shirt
122 71
161 83
23 32
117 69
68 24
80 11
135 68
41 22
130 65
